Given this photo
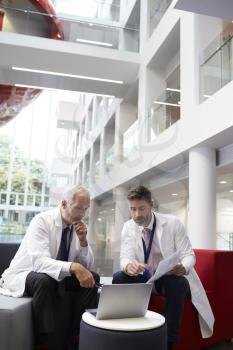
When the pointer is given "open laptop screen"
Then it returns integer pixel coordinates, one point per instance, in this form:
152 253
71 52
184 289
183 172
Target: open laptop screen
123 300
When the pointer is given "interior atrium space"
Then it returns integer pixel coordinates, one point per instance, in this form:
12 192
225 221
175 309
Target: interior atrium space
110 94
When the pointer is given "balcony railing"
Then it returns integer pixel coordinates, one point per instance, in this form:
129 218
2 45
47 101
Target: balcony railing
164 112
216 64
17 199
99 31
130 140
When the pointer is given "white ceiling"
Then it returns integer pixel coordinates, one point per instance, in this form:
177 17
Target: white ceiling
69 58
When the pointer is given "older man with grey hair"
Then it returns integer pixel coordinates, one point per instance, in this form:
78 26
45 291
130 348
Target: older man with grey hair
53 265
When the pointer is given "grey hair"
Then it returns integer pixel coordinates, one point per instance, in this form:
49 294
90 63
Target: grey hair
73 190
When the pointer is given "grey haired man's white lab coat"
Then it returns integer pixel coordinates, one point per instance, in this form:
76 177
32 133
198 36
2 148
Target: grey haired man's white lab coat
38 252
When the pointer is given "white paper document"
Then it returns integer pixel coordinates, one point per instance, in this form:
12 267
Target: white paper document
165 266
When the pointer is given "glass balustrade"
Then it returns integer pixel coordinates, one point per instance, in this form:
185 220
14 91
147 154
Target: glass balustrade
216 64
17 199
103 29
130 141
164 112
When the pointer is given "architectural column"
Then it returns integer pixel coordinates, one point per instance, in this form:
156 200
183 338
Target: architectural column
92 166
84 170
22 217
103 150
144 23
202 197
93 215
189 79
121 216
94 113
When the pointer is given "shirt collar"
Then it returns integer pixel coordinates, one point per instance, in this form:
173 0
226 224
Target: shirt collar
64 225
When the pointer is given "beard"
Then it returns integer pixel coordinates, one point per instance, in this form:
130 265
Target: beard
140 220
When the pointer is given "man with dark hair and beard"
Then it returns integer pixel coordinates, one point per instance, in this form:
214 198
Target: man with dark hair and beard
148 238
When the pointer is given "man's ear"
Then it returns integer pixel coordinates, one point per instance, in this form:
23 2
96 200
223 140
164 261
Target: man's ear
63 203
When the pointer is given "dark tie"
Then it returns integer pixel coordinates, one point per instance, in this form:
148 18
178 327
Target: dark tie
64 249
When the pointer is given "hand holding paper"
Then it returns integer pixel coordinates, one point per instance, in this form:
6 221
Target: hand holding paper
165 266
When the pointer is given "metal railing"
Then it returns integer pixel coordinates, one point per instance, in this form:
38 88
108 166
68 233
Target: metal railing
98 31
21 199
164 112
216 64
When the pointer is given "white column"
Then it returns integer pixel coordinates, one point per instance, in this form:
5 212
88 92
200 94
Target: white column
118 139
94 113
121 216
22 217
92 166
189 72
92 221
84 171
103 151
144 23
202 197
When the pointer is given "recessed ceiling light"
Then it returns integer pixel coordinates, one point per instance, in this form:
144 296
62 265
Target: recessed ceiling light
171 89
223 182
231 191
67 75
174 194
102 43
166 103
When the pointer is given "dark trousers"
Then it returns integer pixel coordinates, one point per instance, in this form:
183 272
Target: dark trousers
174 288
58 306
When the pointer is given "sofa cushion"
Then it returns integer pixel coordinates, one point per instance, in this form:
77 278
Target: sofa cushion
16 326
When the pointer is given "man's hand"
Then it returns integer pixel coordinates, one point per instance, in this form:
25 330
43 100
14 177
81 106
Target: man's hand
81 231
135 268
83 275
178 270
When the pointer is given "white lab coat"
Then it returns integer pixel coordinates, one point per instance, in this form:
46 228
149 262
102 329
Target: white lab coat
38 252
171 237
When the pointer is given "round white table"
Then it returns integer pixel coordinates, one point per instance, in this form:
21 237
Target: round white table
123 334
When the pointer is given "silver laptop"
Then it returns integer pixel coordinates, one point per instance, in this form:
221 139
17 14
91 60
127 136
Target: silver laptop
123 301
